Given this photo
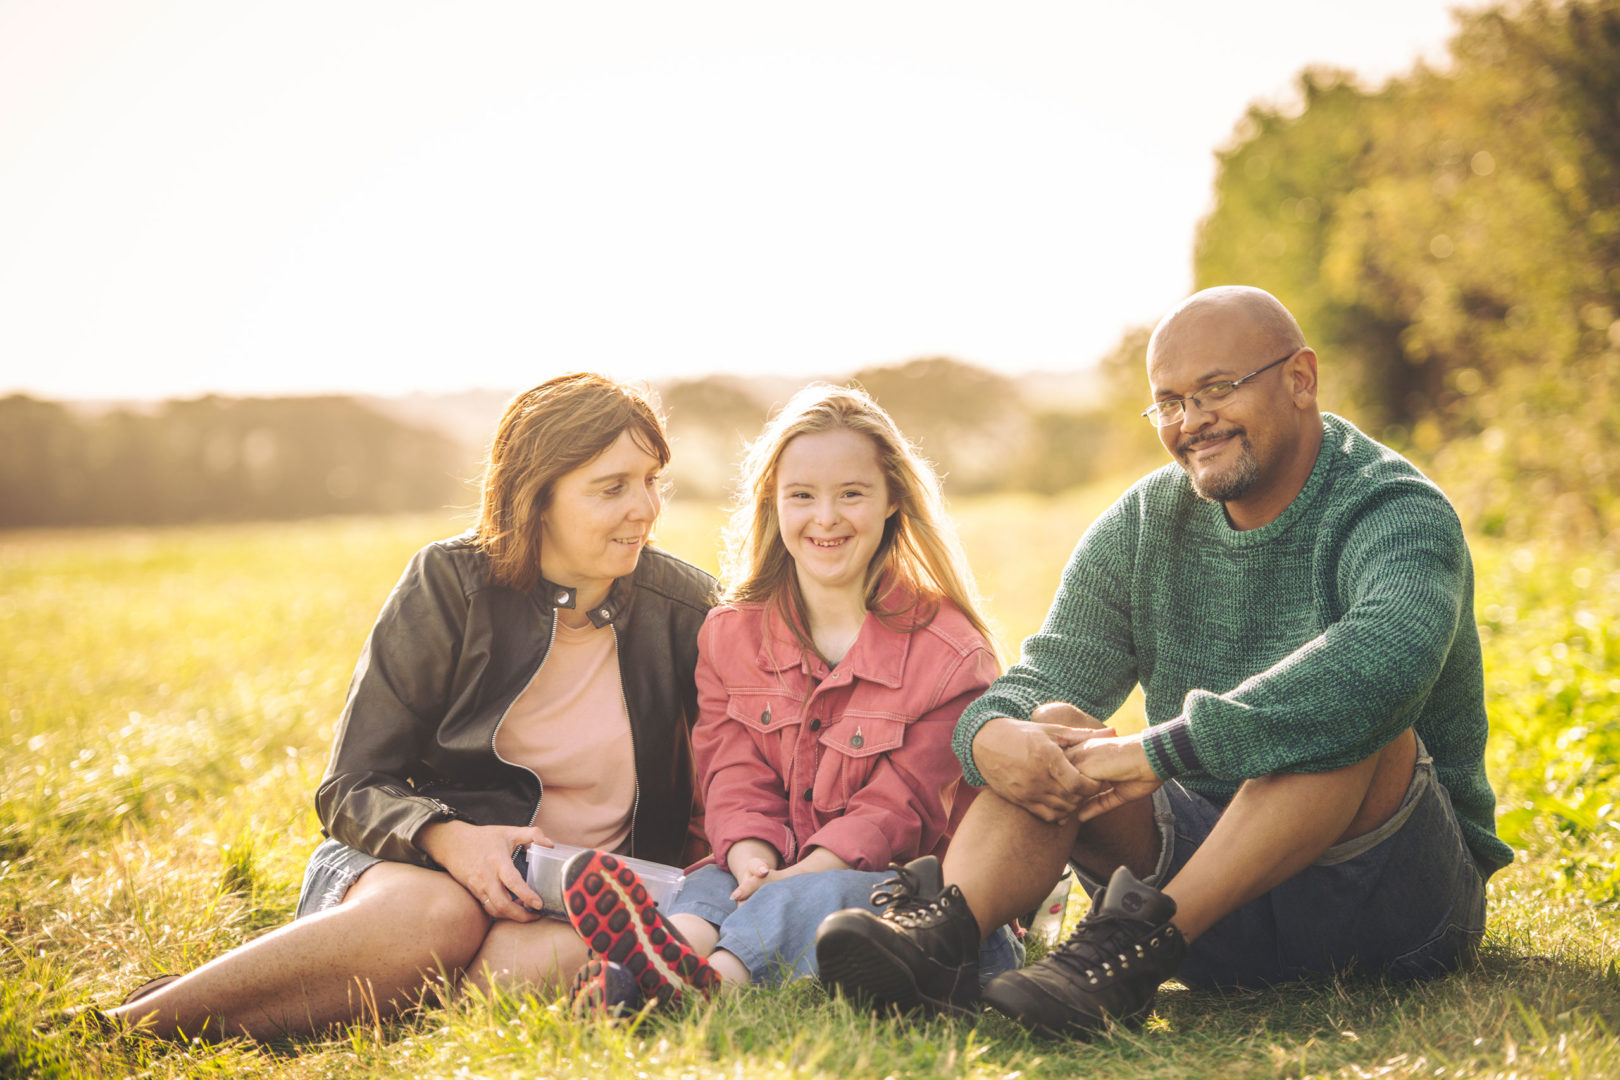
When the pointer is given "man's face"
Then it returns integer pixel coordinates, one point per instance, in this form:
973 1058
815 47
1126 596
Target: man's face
1232 447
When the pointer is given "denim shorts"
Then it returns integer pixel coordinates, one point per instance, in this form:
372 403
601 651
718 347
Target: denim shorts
331 869
1405 901
773 932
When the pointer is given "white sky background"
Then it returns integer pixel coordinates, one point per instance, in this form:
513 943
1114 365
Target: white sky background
392 195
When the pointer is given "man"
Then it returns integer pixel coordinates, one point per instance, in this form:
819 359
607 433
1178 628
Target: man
1296 602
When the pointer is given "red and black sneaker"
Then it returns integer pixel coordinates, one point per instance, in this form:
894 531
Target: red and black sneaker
611 909
605 987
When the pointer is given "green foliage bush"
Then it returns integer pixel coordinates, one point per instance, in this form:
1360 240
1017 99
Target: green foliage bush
1451 243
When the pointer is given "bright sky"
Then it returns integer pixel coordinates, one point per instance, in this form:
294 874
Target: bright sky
396 195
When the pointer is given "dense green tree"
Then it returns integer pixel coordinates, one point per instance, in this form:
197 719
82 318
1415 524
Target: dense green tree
1451 243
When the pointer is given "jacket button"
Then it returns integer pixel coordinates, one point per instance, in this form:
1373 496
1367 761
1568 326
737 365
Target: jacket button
562 598
809 793
604 613
815 725
765 717
856 742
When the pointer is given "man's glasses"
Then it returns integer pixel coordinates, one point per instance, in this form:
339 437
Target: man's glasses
1209 398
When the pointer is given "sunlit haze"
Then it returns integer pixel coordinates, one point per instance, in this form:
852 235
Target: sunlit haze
203 196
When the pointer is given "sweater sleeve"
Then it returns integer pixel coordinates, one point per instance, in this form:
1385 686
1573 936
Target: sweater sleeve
1084 652
743 795
1403 571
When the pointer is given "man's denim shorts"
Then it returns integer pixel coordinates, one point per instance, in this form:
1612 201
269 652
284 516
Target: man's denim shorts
773 932
1405 900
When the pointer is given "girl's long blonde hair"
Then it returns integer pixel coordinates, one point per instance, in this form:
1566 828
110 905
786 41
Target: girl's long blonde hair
919 547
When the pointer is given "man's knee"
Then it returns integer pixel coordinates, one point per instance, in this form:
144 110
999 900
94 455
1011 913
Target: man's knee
1061 712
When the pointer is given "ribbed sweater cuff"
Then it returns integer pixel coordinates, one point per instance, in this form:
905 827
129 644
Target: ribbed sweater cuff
962 745
1170 750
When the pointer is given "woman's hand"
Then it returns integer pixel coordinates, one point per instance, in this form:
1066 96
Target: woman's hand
479 857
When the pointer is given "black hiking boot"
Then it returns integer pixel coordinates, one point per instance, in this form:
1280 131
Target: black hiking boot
922 953
1107 971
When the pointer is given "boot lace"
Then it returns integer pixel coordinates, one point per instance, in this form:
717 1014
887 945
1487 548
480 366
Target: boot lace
1103 946
900 900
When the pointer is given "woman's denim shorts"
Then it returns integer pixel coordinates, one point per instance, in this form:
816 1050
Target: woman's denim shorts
327 876
773 932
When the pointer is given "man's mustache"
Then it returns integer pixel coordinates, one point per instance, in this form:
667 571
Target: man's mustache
1205 436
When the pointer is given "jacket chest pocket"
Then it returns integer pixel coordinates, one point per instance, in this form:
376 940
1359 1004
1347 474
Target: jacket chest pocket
764 712
851 750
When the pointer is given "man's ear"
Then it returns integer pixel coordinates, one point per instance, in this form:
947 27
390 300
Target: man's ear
1300 371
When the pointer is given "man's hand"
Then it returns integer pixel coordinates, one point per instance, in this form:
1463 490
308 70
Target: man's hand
479 857
1026 764
1118 765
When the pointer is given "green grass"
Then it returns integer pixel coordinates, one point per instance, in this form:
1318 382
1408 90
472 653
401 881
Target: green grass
167 699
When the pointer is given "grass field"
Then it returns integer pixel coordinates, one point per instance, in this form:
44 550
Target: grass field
168 698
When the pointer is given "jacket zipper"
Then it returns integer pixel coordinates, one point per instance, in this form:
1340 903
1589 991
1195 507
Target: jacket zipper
550 642
635 777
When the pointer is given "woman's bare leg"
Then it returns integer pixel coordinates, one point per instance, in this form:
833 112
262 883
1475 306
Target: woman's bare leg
397 929
544 954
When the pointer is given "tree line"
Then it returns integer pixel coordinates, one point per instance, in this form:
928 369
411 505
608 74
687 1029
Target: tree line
217 458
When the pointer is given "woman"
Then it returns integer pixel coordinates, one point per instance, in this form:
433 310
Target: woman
829 687
527 681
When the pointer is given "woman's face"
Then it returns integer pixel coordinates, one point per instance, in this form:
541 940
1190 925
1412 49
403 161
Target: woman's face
831 501
600 517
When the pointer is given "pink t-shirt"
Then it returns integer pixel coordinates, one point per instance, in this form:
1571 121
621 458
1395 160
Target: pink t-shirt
570 727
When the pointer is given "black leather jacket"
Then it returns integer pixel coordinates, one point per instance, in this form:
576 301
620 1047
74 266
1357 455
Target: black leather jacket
448 656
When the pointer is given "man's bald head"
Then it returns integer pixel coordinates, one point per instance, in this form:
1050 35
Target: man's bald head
1257 314
1231 369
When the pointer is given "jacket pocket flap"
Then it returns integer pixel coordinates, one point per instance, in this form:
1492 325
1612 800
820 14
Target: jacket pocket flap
762 711
863 735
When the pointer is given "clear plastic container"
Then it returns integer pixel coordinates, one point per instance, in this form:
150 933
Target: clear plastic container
545 866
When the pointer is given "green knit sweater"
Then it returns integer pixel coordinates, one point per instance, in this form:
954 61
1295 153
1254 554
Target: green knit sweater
1301 646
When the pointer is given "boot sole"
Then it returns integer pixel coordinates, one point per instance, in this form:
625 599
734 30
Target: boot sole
853 964
612 910
1035 1010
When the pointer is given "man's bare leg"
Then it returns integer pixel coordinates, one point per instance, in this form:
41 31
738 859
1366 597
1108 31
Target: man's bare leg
395 931
1005 859
1276 826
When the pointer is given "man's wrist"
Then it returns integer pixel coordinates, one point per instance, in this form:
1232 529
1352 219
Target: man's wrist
967 732
1169 748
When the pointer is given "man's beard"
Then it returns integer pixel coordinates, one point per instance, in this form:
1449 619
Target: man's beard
1226 485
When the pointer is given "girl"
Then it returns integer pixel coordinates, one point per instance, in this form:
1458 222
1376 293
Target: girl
462 738
829 685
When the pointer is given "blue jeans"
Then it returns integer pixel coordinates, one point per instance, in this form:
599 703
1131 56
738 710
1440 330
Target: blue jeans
1406 900
773 932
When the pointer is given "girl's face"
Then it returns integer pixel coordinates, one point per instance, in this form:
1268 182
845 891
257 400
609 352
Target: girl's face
831 502
600 517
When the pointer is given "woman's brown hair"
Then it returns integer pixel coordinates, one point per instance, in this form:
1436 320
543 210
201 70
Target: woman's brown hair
546 433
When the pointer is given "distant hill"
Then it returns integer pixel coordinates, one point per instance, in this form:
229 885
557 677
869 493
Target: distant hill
65 463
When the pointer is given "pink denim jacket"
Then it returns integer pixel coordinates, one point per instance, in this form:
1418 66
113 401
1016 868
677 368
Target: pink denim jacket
855 759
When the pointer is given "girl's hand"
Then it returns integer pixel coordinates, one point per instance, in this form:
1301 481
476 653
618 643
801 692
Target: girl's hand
819 859
479 857
751 862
